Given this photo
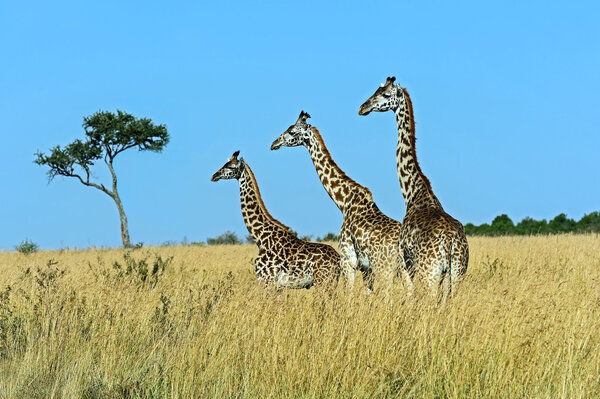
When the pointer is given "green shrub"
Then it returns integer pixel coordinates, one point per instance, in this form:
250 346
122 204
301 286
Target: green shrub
226 238
328 237
27 247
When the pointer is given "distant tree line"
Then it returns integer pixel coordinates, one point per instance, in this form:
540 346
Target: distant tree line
229 238
503 226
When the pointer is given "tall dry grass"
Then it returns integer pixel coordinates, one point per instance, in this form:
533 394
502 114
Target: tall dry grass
525 323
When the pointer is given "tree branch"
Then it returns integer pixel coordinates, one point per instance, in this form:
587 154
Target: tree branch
108 154
125 147
88 183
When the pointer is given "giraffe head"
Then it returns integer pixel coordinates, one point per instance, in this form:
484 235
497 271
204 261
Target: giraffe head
231 170
295 135
386 97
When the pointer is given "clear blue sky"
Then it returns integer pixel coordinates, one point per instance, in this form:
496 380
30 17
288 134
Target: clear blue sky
506 98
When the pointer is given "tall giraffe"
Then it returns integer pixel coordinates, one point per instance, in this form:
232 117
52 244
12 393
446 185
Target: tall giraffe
283 260
432 243
368 239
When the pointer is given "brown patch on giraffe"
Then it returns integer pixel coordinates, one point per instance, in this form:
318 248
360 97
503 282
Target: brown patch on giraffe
261 204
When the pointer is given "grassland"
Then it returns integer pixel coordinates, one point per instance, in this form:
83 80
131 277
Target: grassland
191 322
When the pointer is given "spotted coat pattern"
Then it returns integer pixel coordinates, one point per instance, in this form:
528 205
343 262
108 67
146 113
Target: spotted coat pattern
283 260
368 238
432 243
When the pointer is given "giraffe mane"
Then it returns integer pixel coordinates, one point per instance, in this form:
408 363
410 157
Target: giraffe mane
413 140
261 204
326 151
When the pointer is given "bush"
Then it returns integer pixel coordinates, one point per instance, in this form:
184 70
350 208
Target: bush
529 226
502 225
562 224
589 223
328 237
142 272
226 238
27 247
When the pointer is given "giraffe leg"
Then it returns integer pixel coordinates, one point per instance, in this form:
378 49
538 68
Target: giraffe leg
455 256
405 267
460 260
364 265
262 268
348 265
348 259
443 287
368 278
407 282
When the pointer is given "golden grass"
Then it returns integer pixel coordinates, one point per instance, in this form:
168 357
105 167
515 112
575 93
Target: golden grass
525 323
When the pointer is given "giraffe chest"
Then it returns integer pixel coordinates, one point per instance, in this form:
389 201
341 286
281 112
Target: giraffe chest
284 267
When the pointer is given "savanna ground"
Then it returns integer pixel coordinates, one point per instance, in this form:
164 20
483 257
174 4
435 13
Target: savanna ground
191 322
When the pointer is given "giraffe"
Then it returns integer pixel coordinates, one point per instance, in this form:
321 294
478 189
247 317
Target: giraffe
283 260
432 243
368 238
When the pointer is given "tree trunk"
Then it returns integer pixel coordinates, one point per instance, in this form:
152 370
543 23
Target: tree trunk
124 226
115 196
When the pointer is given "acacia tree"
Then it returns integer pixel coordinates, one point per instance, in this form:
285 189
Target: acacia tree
106 136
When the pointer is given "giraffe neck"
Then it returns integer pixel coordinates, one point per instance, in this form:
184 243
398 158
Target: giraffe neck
339 186
416 188
258 220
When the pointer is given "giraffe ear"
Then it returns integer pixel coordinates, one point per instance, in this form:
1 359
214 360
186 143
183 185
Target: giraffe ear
390 79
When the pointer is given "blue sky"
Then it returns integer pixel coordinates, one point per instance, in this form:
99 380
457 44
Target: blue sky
505 97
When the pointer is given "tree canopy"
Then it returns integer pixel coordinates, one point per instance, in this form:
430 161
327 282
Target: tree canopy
107 135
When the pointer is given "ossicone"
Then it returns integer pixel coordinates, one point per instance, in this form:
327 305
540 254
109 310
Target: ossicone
390 79
303 116
235 154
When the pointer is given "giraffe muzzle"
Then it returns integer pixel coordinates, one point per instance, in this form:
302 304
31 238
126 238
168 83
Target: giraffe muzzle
275 145
363 110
